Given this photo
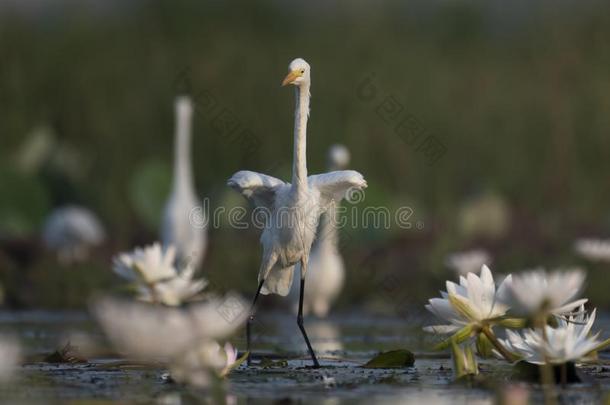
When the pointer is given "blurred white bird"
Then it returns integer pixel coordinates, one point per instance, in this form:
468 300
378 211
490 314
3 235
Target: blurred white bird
596 250
326 269
71 231
184 223
469 261
293 209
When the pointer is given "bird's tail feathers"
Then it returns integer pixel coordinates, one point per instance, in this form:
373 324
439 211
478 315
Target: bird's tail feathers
278 281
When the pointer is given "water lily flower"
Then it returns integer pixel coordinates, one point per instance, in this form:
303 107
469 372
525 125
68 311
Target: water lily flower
535 292
149 264
155 332
198 366
231 356
471 303
173 291
597 250
569 341
156 277
468 262
472 308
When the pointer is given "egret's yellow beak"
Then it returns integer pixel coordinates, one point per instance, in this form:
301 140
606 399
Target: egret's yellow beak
291 77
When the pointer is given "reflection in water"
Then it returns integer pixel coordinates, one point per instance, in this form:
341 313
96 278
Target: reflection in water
324 335
186 398
436 397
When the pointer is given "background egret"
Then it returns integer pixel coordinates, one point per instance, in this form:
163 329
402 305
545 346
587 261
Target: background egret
177 229
71 231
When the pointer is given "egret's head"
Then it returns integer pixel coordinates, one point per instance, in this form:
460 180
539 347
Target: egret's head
298 73
184 107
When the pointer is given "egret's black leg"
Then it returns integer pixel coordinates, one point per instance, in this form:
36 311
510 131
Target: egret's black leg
251 318
300 323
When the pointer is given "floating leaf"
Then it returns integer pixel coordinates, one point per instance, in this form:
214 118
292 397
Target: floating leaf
268 363
531 372
67 354
392 359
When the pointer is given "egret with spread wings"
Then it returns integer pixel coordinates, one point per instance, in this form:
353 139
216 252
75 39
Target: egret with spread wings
292 209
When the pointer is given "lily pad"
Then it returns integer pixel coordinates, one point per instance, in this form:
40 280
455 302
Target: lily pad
268 363
528 372
393 359
67 354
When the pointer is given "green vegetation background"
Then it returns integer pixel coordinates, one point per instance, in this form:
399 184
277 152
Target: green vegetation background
519 93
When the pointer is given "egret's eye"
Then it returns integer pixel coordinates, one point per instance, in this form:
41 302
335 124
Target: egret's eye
302 70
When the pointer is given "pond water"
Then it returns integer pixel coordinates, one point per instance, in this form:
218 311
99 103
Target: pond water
343 343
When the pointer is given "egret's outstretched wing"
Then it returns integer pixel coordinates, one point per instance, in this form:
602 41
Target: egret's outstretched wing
336 185
256 187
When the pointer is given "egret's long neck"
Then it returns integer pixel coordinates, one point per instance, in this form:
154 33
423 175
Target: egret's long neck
299 167
183 176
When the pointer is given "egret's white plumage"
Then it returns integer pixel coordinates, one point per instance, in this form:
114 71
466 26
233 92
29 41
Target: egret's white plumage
326 271
178 228
71 231
293 209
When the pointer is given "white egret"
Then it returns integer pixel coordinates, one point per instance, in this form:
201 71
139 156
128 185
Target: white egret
71 231
293 209
178 228
326 269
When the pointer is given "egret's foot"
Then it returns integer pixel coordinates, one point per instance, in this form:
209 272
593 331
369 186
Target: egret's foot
248 339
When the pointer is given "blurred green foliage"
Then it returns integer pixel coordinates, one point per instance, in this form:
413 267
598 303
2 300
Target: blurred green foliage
519 93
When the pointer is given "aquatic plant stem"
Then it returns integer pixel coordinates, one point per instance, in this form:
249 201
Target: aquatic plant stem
494 340
547 378
564 374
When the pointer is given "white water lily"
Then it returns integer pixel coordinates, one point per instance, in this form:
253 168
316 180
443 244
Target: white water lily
231 356
149 264
468 262
198 366
155 332
472 302
174 291
570 341
597 250
553 293
156 277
